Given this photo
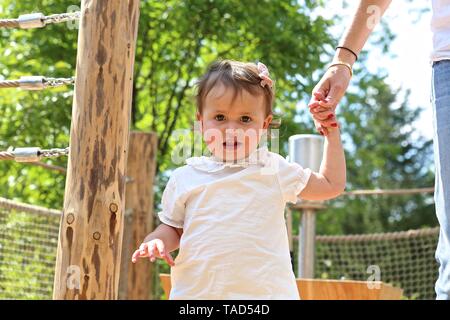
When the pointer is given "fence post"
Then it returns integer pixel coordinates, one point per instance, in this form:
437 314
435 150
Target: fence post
90 236
136 279
306 150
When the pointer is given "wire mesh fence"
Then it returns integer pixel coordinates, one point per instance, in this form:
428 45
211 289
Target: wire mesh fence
403 259
29 236
28 243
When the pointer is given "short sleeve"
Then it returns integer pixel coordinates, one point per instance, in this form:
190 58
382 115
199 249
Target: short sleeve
173 207
293 178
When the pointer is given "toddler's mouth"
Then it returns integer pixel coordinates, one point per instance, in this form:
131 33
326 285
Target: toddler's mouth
231 144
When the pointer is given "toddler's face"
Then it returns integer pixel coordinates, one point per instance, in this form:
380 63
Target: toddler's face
232 129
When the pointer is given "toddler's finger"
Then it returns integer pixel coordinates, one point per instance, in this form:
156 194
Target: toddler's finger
151 251
327 122
324 131
317 108
160 247
313 104
324 115
143 248
326 103
163 254
168 257
135 255
318 95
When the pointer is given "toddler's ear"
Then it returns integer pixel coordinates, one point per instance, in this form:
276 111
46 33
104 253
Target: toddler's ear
267 121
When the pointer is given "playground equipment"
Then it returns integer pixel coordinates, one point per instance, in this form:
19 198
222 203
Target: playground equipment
29 234
90 237
91 240
29 238
312 289
306 150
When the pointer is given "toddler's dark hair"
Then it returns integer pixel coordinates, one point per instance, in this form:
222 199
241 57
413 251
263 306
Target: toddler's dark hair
236 75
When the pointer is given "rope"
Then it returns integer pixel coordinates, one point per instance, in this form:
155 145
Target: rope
32 154
388 192
6 155
24 207
38 20
29 208
36 83
9 23
377 236
49 166
9 84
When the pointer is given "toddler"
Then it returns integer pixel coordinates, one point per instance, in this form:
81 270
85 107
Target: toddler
225 211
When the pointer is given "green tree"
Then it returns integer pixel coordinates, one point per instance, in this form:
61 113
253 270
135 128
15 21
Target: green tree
176 41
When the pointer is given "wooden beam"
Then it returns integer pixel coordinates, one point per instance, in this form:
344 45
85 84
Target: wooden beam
90 237
136 278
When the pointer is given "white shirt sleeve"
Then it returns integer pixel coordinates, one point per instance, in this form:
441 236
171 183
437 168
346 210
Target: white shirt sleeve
293 178
173 207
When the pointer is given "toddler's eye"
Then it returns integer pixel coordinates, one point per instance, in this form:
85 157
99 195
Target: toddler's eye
246 119
219 117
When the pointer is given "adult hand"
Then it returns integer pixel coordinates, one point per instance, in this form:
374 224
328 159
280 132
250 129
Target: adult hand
326 96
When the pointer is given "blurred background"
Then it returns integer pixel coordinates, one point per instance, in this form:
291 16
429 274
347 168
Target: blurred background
385 118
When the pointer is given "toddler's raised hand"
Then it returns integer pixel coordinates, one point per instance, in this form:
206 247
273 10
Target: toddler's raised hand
324 117
153 249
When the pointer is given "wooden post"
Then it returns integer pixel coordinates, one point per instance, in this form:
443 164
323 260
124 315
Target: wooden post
307 236
135 279
90 237
307 244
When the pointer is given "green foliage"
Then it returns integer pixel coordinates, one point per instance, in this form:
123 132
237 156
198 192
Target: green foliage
176 41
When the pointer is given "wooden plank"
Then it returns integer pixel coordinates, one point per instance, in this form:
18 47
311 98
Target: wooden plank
315 289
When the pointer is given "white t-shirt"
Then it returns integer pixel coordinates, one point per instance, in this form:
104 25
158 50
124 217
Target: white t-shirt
234 243
440 26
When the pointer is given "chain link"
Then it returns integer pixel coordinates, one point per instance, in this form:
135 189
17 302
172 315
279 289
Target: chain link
38 20
58 82
50 153
63 17
36 83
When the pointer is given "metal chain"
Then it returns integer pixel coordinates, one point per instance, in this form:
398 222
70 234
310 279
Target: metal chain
36 83
38 20
58 82
51 153
32 154
60 18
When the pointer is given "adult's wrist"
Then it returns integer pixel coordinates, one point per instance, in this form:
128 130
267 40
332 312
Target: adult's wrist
345 56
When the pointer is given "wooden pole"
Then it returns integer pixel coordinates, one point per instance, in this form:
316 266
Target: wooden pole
307 235
90 237
135 279
307 244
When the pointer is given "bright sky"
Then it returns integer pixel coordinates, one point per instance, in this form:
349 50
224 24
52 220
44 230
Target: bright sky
410 67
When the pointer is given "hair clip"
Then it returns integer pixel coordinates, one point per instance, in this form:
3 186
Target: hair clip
264 75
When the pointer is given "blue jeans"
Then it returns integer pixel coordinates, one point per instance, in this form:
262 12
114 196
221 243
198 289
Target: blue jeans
440 97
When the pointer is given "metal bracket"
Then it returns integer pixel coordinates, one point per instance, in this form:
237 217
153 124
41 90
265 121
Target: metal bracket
32 20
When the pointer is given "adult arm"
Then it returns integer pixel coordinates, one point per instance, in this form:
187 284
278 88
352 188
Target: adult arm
331 88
